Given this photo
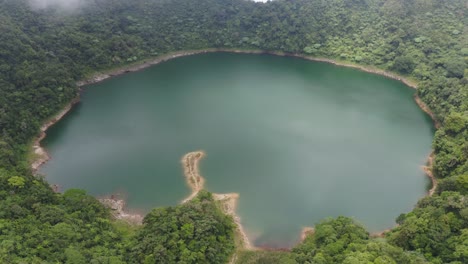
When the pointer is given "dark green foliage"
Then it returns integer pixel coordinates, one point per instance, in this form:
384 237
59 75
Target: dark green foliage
44 52
404 64
37 225
457 183
455 67
265 257
341 240
195 232
451 146
437 228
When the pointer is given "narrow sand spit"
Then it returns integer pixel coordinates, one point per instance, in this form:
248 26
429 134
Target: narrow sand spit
196 182
228 201
192 173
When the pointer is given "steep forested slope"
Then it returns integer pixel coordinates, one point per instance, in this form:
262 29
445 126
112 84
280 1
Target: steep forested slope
43 52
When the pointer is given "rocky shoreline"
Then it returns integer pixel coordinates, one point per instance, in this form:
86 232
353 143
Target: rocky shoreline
307 231
41 155
118 210
428 170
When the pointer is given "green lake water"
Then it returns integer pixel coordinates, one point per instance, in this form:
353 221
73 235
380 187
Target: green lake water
298 140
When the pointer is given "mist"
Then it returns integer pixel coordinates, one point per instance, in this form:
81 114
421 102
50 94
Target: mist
62 4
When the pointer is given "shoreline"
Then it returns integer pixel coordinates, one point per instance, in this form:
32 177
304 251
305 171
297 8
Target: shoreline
305 232
228 201
118 211
41 156
229 204
428 170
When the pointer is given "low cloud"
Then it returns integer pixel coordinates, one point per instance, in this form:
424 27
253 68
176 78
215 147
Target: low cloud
62 4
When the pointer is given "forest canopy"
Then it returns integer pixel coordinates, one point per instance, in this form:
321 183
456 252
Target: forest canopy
46 48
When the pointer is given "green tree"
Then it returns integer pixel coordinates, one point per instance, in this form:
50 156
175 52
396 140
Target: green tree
17 182
404 64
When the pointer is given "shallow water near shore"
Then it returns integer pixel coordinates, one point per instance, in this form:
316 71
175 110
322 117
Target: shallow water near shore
298 140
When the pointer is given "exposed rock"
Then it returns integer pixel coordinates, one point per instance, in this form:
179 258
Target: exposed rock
117 207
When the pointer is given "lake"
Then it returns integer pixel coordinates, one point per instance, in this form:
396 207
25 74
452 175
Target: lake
300 141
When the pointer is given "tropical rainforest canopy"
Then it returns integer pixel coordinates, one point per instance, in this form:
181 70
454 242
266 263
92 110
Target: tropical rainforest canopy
46 48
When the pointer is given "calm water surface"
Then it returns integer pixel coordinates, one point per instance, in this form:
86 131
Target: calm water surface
299 140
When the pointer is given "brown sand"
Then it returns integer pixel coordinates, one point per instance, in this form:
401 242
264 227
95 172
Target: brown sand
192 174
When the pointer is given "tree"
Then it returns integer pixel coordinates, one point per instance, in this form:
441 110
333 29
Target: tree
455 67
456 122
73 256
404 64
195 232
17 182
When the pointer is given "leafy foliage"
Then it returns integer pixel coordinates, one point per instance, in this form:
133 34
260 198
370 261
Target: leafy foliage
37 225
195 232
437 228
342 240
265 257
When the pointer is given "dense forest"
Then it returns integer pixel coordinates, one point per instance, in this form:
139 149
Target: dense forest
46 49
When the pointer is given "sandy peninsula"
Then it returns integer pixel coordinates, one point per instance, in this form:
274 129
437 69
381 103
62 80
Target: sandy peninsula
228 201
194 180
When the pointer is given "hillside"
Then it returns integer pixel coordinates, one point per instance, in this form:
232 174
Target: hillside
44 52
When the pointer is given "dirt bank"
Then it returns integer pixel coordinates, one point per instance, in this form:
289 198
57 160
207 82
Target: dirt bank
428 170
40 154
118 210
307 231
229 206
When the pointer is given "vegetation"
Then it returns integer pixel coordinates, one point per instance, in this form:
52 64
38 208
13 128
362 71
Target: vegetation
45 51
338 240
196 232
265 257
343 241
39 226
